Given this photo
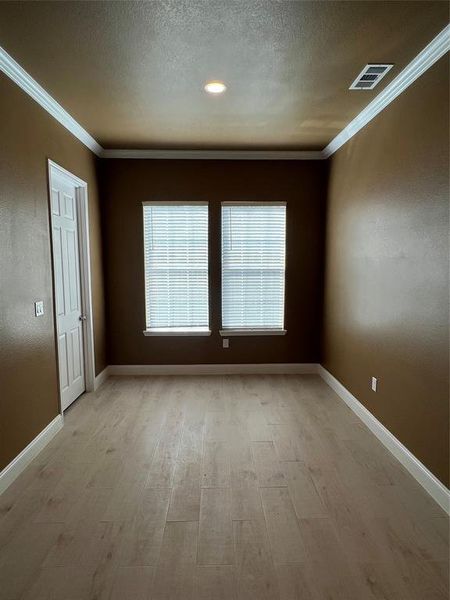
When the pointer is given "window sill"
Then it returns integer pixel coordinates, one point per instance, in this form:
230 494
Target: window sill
246 332
177 331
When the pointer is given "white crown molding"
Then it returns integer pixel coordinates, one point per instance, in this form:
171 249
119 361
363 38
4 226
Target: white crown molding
16 73
427 480
423 61
216 154
22 460
215 369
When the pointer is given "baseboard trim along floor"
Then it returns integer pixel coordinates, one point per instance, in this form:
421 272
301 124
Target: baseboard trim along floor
427 480
213 369
22 460
101 378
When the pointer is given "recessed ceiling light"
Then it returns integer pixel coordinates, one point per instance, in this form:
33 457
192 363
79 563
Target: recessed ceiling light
215 87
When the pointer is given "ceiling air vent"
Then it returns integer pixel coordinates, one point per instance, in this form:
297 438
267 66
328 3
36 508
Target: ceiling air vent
370 76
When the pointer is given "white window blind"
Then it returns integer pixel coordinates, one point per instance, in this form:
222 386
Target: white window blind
253 265
176 266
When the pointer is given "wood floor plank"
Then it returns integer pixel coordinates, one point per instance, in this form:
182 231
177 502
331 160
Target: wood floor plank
60 583
47 476
19 487
286 441
19 513
217 426
102 555
256 392
268 467
127 491
185 503
374 460
108 472
380 580
255 573
78 529
411 499
245 503
258 429
212 389
187 470
65 495
293 583
305 498
327 566
175 574
242 465
284 532
145 531
146 433
415 540
185 498
216 465
20 564
132 583
215 583
359 535
215 544
164 460
423 578
179 543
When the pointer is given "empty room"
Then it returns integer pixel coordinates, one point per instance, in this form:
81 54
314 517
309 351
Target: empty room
224 300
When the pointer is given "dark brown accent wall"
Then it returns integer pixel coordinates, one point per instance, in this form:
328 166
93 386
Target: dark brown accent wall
387 268
28 373
130 182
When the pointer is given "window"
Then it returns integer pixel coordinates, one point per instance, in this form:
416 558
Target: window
176 268
253 267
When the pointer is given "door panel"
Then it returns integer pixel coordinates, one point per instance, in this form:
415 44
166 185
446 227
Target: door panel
58 270
69 208
77 352
55 202
66 263
74 272
63 362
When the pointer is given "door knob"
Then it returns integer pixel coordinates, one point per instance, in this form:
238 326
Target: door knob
82 317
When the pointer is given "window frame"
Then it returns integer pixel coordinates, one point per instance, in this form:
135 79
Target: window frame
252 331
177 331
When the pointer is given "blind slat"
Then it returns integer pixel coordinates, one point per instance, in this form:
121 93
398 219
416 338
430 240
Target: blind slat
176 265
253 266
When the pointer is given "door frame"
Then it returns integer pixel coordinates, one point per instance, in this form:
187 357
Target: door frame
81 198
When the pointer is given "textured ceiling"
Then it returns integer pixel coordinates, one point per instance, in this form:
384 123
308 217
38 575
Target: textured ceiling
132 73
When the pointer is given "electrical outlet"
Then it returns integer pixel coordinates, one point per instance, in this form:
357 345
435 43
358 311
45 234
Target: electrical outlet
374 384
225 343
39 308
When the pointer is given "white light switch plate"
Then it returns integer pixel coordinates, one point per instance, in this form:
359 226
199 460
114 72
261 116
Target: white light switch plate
225 343
374 384
39 308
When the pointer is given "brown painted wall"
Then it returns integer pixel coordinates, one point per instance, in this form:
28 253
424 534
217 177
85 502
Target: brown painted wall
129 182
386 300
28 376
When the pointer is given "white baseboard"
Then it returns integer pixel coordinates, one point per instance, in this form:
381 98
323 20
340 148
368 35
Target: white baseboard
101 378
228 369
22 460
427 480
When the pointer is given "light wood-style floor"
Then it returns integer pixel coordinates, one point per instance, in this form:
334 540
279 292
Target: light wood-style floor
208 488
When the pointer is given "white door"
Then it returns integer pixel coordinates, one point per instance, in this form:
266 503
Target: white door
66 263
